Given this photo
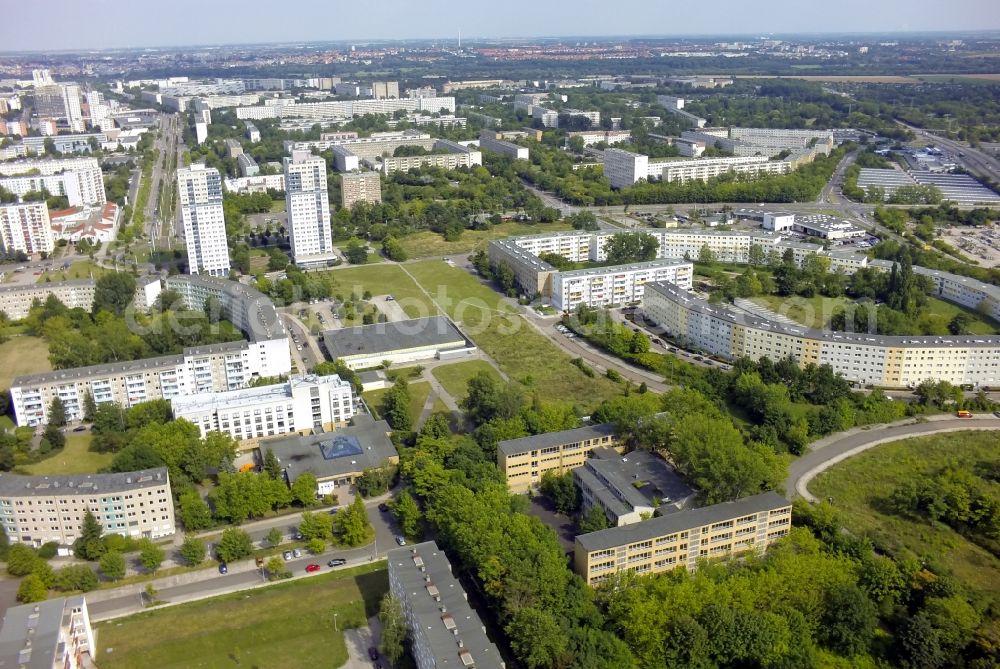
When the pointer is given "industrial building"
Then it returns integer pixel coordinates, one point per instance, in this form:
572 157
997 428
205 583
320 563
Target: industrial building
367 346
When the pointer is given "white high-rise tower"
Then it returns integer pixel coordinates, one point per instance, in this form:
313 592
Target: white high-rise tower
200 190
308 205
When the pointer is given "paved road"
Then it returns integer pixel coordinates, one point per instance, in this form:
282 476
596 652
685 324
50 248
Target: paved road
829 451
974 160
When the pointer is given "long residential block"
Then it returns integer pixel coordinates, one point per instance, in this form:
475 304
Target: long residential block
523 461
79 179
683 538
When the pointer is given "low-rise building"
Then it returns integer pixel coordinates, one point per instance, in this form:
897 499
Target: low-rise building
54 634
95 224
368 346
525 460
827 227
444 630
682 539
38 509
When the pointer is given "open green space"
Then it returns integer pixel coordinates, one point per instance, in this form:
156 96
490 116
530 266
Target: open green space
419 392
383 280
81 269
75 458
861 485
522 352
22 355
285 625
428 244
277 206
455 378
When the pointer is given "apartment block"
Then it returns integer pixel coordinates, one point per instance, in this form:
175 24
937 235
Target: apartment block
308 205
52 634
360 187
247 165
458 155
200 191
16 301
616 285
383 90
445 631
345 109
79 179
489 141
683 538
523 461
25 227
38 509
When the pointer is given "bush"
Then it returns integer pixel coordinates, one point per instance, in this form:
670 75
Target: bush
75 577
316 546
21 560
48 550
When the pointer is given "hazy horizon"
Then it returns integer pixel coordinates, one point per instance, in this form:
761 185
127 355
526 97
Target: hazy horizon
105 25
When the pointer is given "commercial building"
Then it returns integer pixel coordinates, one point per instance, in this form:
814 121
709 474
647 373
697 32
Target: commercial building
16 301
79 179
40 509
301 404
258 184
25 227
616 285
867 359
53 634
630 488
337 459
360 187
490 141
682 539
827 227
525 460
308 206
96 224
444 630
200 190
367 346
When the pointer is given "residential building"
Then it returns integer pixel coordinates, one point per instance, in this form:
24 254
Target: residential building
200 190
258 184
337 459
367 346
630 488
681 539
25 227
594 117
489 141
421 92
40 509
200 132
53 634
383 90
233 148
360 187
247 165
301 404
525 460
308 206
80 143
591 137
706 168
252 133
458 155
16 301
615 285
346 109
444 630
79 179
207 87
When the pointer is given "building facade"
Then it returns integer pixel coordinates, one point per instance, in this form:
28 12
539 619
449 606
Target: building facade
200 190
79 179
40 509
25 227
489 141
525 460
54 634
308 206
617 285
360 187
16 301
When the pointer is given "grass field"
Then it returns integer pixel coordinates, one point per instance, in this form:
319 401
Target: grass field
383 280
859 485
22 355
285 625
454 378
277 206
523 353
429 244
419 392
81 269
75 458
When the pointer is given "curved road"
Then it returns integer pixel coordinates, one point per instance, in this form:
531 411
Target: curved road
829 451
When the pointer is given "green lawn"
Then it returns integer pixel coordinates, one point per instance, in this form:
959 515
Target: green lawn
81 269
455 378
860 485
419 392
277 206
286 625
383 280
522 352
75 458
429 244
943 312
22 355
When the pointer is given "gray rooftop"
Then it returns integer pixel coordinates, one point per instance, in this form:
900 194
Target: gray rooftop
628 267
394 336
39 623
546 439
108 369
613 478
49 287
679 522
438 601
365 444
12 485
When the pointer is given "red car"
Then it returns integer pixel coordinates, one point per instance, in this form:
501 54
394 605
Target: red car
312 567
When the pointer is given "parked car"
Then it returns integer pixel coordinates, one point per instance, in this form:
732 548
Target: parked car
383 507
298 536
223 569
373 653
79 428
400 541
963 413
312 567
296 553
336 562
287 555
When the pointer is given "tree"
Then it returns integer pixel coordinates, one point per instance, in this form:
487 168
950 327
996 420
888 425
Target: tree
88 546
21 560
396 406
374 481
356 252
630 247
535 635
407 514
57 413
89 407
32 589
394 629
272 466
75 577
316 526
274 536
919 644
353 525
592 520
959 325
192 551
315 546
276 569
114 292
562 490
53 438
304 489
393 250
849 622
150 555
193 512
112 565
235 544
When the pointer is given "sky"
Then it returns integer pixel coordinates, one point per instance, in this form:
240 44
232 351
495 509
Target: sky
141 23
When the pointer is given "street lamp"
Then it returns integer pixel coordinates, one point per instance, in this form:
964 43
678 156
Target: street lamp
335 614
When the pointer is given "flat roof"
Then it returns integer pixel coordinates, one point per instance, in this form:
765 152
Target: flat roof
30 635
630 267
453 631
639 477
107 369
546 439
13 485
393 336
680 521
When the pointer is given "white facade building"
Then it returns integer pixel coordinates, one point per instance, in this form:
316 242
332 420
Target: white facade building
25 227
54 634
618 285
488 140
200 190
79 179
308 205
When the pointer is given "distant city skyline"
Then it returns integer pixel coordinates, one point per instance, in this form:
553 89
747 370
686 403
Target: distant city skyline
103 24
